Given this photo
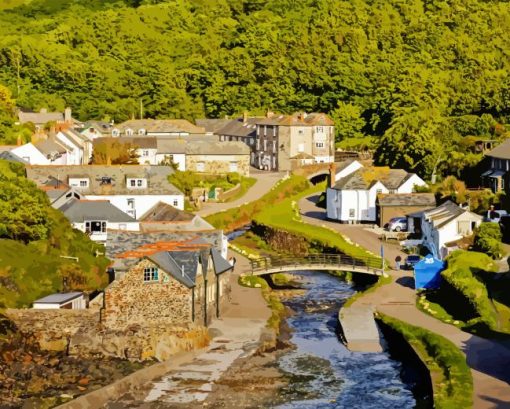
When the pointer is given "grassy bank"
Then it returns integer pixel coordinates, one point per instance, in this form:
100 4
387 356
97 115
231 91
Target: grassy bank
464 298
240 216
285 216
383 280
452 382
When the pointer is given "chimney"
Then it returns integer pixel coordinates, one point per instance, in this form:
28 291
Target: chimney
245 117
332 174
68 115
269 114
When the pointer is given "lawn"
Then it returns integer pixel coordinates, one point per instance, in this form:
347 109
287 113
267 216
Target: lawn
452 382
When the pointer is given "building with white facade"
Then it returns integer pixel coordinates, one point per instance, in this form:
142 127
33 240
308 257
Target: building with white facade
439 228
134 189
352 199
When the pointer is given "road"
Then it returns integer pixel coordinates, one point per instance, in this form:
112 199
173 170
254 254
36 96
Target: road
489 360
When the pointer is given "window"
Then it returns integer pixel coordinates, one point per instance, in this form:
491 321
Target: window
150 274
200 166
84 183
352 213
300 132
122 226
115 132
274 162
274 146
141 131
131 203
129 132
139 182
265 130
319 144
319 129
106 180
265 145
301 147
258 144
232 167
176 203
145 153
132 182
378 191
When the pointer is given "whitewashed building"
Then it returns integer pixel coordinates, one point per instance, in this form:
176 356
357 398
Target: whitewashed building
134 189
71 301
45 152
352 199
439 228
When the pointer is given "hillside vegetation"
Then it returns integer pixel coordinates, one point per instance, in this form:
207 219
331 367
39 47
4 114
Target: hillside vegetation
418 80
33 239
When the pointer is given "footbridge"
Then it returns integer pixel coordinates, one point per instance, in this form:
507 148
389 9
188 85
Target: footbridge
327 262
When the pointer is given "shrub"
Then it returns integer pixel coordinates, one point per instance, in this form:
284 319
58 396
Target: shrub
488 240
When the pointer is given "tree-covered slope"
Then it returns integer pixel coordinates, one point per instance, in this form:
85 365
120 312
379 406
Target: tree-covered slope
37 243
421 78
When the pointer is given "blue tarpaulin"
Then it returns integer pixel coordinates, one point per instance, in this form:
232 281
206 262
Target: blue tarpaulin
427 273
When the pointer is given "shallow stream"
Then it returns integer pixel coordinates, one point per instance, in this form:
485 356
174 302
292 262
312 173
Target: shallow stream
321 372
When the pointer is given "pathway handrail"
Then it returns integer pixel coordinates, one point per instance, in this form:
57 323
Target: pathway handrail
335 260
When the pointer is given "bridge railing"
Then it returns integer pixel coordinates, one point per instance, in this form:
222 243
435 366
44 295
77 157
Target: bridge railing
340 260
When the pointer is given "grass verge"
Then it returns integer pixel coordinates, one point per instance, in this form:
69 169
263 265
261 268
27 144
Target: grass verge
246 183
383 280
452 382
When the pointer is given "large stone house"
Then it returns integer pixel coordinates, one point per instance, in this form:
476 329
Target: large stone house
218 157
440 228
285 142
352 199
134 189
497 176
170 283
43 117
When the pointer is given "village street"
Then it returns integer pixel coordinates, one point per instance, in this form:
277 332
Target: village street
488 359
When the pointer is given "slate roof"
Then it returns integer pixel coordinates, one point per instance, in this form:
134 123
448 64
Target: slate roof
502 151
161 126
6 155
181 265
41 117
163 212
212 125
237 127
217 148
100 126
78 211
157 178
391 178
298 119
170 146
220 264
444 214
58 298
407 199
142 142
48 146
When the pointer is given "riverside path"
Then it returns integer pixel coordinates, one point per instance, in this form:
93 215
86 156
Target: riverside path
488 359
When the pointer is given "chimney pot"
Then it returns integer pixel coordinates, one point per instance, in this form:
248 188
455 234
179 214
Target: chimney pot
245 117
67 115
332 174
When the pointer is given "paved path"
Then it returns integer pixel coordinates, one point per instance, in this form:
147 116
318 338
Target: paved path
236 335
489 360
265 181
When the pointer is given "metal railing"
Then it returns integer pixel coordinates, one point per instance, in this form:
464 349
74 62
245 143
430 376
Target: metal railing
336 261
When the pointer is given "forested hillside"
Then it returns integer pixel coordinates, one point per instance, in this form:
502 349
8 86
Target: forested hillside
418 79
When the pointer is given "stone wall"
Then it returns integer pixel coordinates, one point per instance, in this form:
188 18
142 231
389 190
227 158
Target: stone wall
130 300
79 333
282 241
219 164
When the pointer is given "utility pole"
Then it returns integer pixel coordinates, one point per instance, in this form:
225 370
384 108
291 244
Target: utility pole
141 108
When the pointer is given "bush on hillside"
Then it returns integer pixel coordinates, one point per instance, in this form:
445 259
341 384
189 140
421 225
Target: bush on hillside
488 240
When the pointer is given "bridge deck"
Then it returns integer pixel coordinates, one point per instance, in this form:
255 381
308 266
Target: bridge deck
271 265
360 329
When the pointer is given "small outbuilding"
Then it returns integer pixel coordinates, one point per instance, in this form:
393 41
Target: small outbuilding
69 301
427 273
389 206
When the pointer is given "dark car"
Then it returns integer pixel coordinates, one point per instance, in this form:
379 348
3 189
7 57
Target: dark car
411 260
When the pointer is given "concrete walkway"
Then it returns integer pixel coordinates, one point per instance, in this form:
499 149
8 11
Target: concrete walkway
236 335
265 181
489 359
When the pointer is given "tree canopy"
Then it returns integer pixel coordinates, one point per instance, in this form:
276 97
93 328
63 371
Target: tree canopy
421 80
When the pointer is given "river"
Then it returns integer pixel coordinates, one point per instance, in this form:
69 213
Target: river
321 372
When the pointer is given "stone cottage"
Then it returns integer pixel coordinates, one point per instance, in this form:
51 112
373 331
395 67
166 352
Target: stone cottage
170 283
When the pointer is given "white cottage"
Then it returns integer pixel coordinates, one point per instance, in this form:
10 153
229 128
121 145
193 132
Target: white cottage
352 199
134 189
70 301
441 227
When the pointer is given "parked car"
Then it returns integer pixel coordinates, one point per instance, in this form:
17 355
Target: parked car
495 215
411 260
398 224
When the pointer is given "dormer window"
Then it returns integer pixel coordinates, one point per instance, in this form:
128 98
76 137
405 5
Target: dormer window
136 183
129 132
141 132
106 180
115 132
79 183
